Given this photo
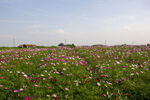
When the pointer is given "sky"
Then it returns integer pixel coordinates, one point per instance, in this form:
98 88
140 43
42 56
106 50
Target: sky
82 22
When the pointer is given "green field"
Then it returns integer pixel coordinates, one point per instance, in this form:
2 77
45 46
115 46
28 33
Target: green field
81 73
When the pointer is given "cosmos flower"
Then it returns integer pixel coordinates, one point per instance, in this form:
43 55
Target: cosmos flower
26 98
36 85
117 81
2 77
21 89
123 66
15 91
137 73
6 88
67 89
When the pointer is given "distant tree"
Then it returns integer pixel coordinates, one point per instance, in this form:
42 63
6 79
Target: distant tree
70 45
148 44
61 44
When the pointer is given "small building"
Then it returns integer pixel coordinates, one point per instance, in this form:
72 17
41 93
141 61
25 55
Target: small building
27 46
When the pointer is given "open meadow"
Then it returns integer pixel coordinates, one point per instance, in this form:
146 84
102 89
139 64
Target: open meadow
81 73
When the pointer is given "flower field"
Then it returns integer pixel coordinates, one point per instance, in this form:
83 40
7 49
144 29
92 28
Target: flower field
81 73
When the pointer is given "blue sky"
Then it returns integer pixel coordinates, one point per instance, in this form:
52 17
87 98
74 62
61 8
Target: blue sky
83 22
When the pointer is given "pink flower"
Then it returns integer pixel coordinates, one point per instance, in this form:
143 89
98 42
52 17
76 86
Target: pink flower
27 77
117 81
2 77
137 73
49 87
15 91
104 95
118 62
36 85
26 98
124 79
6 88
102 72
54 95
47 59
50 55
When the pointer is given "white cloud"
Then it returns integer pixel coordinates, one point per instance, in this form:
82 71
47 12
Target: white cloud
60 31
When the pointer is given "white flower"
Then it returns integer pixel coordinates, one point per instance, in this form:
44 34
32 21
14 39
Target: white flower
98 84
141 72
54 95
18 71
133 68
46 71
25 75
67 89
90 77
48 95
64 69
66 96
42 75
132 74
21 89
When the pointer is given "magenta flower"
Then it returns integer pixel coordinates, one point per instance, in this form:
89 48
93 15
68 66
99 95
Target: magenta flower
2 59
34 96
47 59
117 81
123 66
26 98
2 77
49 87
56 98
37 78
